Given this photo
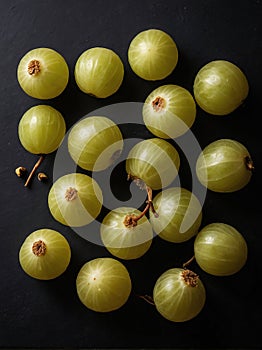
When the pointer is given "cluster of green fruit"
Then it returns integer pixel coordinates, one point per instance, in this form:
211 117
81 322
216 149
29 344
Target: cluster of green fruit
96 142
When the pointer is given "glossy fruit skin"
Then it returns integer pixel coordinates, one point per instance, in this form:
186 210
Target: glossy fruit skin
50 265
122 241
95 143
222 166
99 72
220 249
176 300
169 111
103 284
155 161
41 129
152 54
52 78
81 209
179 214
220 87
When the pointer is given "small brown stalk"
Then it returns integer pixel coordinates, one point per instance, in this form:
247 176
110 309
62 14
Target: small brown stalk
132 219
188 262
36 166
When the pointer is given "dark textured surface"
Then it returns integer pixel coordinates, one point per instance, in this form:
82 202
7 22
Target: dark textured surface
35 314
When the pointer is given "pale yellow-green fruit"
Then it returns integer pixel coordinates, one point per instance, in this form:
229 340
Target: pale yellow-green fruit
43 73
220 87
95 143
41 129
224 165
45 254
126 239
179 295
155 161
220 249
152 54
179 214
103 284
99 72
75 199
169 111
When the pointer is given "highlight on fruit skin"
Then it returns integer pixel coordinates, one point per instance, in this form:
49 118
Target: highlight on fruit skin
179 295
126 233
75 199
152 54
95 143
45 254
103 284
220 249
220 87
169 111
224 165
43 73
179 214
99 72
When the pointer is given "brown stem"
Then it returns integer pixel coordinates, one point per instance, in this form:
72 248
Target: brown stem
149 194
188 262
36 166
138 217
150 201
147 298
249 163
131 220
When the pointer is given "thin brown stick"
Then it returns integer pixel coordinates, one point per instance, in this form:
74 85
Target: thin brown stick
147 298
36 166
131 220
188 262
150 201
148 206
138 217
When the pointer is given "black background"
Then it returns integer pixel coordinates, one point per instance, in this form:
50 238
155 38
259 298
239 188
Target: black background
48 313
